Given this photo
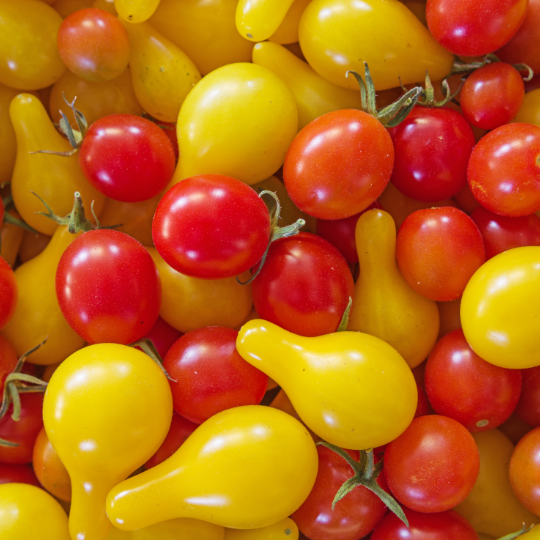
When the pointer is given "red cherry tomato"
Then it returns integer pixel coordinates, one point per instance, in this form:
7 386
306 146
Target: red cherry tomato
474 27
438 250
528 407
108 287
464 387
127 158
20 474
8 292
447 525
432 149
93 44
433 465
304 286
422 407
501 233
504 170
338 164
353 517
211 227
492 95
210 374
163 336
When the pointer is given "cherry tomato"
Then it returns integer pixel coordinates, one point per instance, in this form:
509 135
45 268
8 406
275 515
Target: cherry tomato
108 287
210 375
433 465
94 44
474 27
338 164
504 170
353 517
464 387
127 158
438 250
8 360
211 227
163 336
8 292
528 407
304 286
432 149
20 474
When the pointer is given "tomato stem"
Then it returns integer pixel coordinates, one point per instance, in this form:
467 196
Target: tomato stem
428 94
148 347
345 318
468 67
513 535
12 220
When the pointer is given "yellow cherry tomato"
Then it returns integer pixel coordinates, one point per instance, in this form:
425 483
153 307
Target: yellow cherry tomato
136 11
322 376
530 108
287 31
339 35
30 59
238 121
283 530
8 142
205 30
246 467
173 529
107 409
257 20
30 513
500 309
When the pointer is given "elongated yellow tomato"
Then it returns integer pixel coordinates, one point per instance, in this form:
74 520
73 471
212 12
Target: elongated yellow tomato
314 95
11 237
257 20
38 314
500 309
107 409
491 507
136 11
530 108
30 513
283 530
244 468
54 178
217 130
351 389
162 74
30 59
287 31
385 304
339 35
189 303
173 529
8 144
205 30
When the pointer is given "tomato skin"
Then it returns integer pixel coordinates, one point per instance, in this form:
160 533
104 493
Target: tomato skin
504 182
528 407
353 517
329 173
8 360
432 148
127 158
501 233
211 227
304 285
20 474
93 44
163 336
433 465
447 525
474 27
96 275
195 359
8 292
464 387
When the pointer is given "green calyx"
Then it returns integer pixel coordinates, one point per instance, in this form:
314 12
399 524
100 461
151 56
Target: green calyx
345 318
427 98
365 474
466 68
517 534
393 114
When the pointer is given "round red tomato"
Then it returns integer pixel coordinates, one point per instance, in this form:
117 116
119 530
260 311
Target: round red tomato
127 157
338 164
8 292
8 361
211 227
304 286
108 287
20 474
528 407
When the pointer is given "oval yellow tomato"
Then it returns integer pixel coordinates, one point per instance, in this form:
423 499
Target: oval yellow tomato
283 530
136 11
8 142
257 20
530 108
287 32
173 529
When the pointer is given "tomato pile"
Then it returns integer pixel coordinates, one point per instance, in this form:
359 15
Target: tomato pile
270 269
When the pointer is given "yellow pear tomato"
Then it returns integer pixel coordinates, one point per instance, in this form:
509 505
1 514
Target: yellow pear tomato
283 530
173 529
136 11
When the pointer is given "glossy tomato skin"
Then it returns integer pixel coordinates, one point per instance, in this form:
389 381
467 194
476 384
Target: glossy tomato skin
438 250
501 233
93 44
127 157
211 227
507 182
210 375
163 336
432 149
464 387
474 27
433 465
353 517
528 407
338 164
447 525
304 286
20 474
8 292
108 287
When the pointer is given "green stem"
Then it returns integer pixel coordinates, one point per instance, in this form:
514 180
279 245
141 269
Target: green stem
517 534
12 220
149 348
345 318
